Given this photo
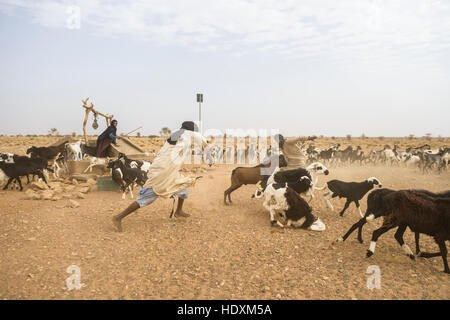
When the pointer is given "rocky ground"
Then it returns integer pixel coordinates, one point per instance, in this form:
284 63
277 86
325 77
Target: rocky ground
220 252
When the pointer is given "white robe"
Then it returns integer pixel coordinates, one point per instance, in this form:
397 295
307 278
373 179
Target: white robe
164 176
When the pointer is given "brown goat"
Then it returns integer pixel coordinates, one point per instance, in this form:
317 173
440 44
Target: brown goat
250 175
422 214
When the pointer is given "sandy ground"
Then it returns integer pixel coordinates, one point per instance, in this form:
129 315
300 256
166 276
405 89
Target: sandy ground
220 252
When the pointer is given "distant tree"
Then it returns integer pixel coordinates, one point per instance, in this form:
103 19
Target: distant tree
428 136
74 134
165 132
411 136
138 134
53 132
349 137
363 136
381 138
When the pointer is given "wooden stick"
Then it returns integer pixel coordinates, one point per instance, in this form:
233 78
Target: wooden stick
91 108
86 117
133 131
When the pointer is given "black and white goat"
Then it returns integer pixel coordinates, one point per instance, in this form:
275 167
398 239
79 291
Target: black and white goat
139 164
285 204
7 157
351 191
294 178
125 177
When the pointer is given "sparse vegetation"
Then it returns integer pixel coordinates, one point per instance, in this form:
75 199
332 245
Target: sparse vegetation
53 132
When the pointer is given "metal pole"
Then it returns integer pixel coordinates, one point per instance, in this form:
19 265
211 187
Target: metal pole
200 117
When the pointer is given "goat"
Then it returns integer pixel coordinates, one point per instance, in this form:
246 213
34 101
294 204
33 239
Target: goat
294 178
126 177
410 159
23 168
94 161
422 214
431 159
285 204
51 154
390 155
74 150
139 164
38 163
88 151
7 157
352 191
375 208
326 155
252 175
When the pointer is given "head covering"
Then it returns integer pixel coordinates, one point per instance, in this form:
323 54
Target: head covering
111 129
187 125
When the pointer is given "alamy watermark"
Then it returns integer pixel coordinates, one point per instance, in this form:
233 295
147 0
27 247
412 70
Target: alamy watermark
234 146
74 281
73 20
374 280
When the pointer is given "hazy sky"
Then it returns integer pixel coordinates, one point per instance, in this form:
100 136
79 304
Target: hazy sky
303 67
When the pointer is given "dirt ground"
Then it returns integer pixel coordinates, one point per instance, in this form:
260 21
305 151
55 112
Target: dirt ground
220 252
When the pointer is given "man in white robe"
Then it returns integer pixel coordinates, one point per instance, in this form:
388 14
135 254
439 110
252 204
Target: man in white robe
164 177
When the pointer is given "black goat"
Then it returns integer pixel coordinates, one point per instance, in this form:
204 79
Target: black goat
422 214
47 153
375 208
23 168
352 191
51 154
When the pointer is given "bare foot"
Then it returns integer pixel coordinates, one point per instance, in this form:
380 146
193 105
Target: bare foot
181 214
117 223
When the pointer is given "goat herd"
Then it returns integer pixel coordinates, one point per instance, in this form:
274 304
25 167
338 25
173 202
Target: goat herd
420 210
423 157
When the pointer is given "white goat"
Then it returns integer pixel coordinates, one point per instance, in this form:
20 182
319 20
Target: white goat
94 161
74 150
